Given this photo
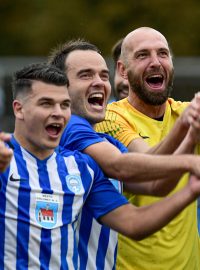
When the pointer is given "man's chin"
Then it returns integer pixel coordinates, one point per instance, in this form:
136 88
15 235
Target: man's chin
96 118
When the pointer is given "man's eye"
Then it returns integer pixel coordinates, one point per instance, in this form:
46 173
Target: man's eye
65 105
142 55
85 76
163 54
105 77
46 103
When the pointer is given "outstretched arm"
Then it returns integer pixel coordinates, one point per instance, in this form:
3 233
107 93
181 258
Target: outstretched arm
138 223
137 167
5 153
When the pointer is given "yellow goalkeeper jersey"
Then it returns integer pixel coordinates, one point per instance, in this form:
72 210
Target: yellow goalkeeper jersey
177 245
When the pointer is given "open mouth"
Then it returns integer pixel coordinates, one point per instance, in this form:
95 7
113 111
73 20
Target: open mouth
96 99
54 129
155 81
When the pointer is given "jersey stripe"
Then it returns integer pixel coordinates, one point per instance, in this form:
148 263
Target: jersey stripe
10 247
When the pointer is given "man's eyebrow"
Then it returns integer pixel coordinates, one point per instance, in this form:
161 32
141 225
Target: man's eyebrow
45 98
84 70
105 71
91 70
164 49
48 99
141 50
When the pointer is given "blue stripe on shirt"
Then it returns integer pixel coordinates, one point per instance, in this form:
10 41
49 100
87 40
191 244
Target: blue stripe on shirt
23 209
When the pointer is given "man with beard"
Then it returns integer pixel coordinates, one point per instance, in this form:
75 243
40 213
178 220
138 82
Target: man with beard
89 89
120 84
141 121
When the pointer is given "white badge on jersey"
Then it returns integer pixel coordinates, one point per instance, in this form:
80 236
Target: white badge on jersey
74 184
46 210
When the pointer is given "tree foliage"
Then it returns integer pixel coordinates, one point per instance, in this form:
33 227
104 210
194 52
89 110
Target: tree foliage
35 27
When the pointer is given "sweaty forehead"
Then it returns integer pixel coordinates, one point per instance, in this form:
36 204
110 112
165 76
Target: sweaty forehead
85 60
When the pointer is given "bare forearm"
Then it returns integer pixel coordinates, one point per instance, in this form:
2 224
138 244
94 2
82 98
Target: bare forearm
137 167
172 140
189 142
141 167
140 222
152 218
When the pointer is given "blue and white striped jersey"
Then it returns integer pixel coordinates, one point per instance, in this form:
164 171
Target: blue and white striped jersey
40 203
97 244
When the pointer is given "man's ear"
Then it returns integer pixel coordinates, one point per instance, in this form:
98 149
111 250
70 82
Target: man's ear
18 109
122 69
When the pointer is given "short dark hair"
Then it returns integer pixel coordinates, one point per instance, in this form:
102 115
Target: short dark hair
58 55
116 50
24 78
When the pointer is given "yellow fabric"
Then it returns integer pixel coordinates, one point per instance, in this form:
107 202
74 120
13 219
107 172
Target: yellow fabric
177 245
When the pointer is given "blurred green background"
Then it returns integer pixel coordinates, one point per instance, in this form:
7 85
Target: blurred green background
34 27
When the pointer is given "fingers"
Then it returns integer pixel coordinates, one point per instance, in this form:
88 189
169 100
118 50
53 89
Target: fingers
5 136
191 116
5 152
194 185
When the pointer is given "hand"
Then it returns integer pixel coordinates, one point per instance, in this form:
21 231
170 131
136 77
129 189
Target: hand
194 133
190 117
194 164
194 130
194 186
5 152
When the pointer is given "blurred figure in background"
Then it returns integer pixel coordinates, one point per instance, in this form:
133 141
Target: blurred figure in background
120 89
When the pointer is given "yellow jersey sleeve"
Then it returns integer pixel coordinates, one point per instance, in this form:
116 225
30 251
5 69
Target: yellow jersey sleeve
117 122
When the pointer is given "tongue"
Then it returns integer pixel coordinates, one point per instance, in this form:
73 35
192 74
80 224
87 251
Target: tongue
52 130
155 85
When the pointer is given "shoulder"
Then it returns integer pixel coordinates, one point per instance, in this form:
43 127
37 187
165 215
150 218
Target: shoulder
114 141
117 104
79 134
178 106
79 157
77 121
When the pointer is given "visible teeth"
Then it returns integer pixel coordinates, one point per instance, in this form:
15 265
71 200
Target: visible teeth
96 95
56 125
155 76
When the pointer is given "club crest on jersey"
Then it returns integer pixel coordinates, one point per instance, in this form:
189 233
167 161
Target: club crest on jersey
46 210
74 183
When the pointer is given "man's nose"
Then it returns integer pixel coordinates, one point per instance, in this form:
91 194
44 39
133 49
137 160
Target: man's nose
57 110
97 81
155 61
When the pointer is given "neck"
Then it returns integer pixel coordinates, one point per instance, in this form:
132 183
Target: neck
151 111
35 150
